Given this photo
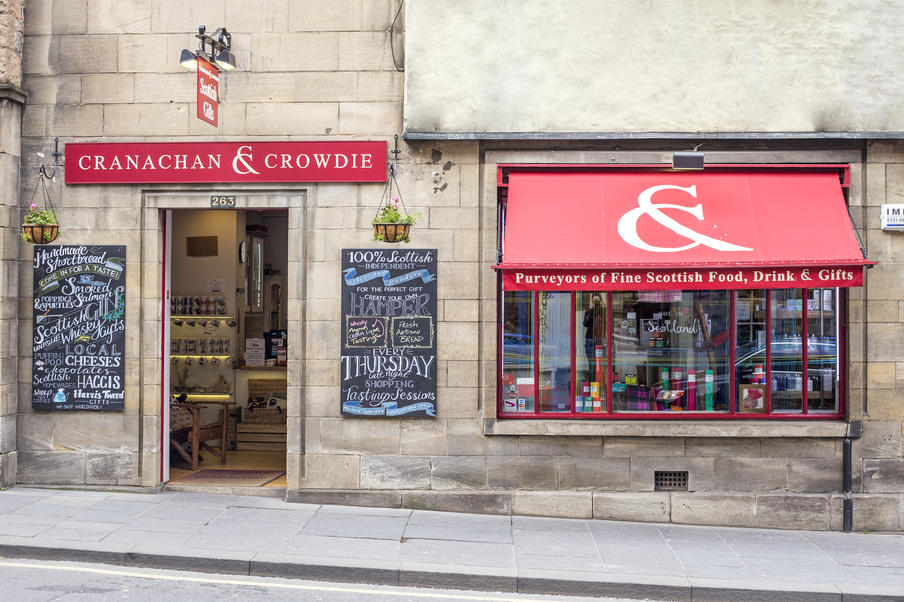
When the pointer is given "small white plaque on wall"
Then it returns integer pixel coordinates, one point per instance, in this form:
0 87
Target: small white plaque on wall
892 217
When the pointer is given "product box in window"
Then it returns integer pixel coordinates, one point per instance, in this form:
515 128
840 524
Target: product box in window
274 340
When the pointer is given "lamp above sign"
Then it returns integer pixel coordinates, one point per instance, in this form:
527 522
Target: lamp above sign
892 218
215 162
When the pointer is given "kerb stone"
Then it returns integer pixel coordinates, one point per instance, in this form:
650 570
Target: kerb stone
395 472
558 504
633 506
714 509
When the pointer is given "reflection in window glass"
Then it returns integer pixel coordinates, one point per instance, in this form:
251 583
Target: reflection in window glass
590 352
671 351
787 353
822 361
555 351
518 352
750 350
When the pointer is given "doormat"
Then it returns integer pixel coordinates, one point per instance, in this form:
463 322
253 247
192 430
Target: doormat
231 478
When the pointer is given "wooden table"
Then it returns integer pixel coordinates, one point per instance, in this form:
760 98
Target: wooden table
196 407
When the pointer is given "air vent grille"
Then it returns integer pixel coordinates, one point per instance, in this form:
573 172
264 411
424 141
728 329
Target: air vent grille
670 480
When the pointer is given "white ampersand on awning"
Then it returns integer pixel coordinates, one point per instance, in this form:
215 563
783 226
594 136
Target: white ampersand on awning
627 225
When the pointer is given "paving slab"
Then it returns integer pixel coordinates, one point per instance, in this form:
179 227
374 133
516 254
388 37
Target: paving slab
153 538
463 533
458 552
355 525
459 519
343 547
45 509
361 510
184 511
584 564
858 549
556 543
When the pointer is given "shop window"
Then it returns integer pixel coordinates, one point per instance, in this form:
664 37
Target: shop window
681 353
786 357
670 351
590 352
822 344
555 351
518 353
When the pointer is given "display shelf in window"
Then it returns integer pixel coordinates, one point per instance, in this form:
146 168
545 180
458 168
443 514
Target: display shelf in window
202 351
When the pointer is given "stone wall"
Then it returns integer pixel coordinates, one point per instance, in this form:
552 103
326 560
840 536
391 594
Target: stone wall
690 67
11 101
876 330
97 71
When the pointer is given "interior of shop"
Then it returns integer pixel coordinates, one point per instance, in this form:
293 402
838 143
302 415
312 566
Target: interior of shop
227 347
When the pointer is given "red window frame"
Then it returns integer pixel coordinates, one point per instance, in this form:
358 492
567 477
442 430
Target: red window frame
732 414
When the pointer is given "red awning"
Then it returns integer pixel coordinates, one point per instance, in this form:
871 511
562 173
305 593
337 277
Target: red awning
659 229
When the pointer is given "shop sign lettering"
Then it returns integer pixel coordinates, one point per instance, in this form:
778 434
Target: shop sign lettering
691 279
209 162
208 92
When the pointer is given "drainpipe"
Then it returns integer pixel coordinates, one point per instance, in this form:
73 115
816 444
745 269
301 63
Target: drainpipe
847 461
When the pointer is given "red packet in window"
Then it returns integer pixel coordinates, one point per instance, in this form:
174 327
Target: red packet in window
691 390
508 379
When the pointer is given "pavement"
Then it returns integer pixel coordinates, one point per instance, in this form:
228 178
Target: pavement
245 535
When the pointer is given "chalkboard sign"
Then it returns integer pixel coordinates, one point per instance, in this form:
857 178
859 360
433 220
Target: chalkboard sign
388 364
79 328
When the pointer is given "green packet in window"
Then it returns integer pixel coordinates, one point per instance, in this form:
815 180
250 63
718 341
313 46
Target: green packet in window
618 387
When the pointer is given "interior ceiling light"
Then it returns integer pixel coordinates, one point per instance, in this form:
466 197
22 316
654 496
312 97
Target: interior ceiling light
215 48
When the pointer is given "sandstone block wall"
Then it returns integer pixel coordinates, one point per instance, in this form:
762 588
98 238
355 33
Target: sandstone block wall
11 102
97 72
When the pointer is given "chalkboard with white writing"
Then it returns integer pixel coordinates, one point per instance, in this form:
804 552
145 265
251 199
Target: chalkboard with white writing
388 363
79 328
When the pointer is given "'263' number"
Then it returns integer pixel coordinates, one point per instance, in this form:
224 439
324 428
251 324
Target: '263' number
222 202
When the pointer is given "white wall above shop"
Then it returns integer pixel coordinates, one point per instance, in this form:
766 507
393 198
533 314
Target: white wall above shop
626 67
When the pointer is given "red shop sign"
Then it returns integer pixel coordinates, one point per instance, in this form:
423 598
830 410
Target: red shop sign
212 162
714 278
208 92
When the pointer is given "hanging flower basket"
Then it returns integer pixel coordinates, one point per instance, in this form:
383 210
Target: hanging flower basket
392 223
40 225
40 234
392 232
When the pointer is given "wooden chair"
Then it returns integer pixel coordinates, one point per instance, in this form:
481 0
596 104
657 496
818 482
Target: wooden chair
185 425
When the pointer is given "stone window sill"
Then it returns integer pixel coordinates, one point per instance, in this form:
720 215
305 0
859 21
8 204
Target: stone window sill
667 428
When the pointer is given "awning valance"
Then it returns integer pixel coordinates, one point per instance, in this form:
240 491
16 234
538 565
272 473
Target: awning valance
716 229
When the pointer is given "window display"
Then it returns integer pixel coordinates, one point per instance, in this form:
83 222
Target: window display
666 342
687 353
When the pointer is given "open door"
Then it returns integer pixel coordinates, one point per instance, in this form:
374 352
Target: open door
165 349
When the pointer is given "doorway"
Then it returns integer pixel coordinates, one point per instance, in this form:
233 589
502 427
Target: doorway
225 349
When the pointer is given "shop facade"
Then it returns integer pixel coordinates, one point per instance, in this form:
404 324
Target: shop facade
596 353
